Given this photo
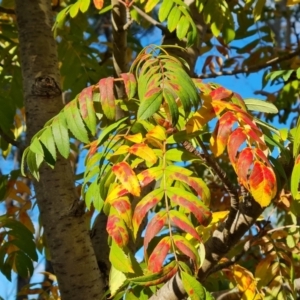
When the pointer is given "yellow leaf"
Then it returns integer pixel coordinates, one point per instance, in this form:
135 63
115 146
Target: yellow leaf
246 283
135 138
158 133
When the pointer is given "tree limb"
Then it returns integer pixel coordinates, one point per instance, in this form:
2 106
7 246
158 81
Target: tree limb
253 68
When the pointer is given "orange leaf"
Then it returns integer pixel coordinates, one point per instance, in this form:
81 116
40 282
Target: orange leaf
127 177
98 3
220 93
107 98
244 163
221 133
262 183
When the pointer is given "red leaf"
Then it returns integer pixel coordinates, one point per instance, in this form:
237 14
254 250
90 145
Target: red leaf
127 177
244 163
191 203
220 93
186 248
117 229
235 140
181 221
154 227
107 98
98 3
159 254
221 133
144 207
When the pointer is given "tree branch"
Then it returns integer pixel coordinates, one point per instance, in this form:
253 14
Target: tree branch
8 11
253 68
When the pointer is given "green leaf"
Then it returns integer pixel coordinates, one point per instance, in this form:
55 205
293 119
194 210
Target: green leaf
49 146
261 106
182 28
23 264
150 104
119 259
93 196
193 288
61 135
116 280
104 134
32 164
298 73
36 147
74 121
84 5
174 18
74 9
164 10
295 179
150 5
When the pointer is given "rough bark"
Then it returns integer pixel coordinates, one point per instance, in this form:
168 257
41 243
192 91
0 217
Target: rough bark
71 250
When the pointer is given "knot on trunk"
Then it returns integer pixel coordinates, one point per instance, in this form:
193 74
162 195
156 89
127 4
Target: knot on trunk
45 86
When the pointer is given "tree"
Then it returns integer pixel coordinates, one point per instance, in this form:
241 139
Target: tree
178 170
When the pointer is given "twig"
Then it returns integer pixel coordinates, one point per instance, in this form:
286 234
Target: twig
7 11
150 19
254 68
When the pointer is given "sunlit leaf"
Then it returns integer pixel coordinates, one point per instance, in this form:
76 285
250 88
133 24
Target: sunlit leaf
144 151
262 106
262 183
127 177
98 3
130 84
295 179
119 259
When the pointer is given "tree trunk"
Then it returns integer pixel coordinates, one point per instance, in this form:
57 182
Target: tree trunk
67 236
